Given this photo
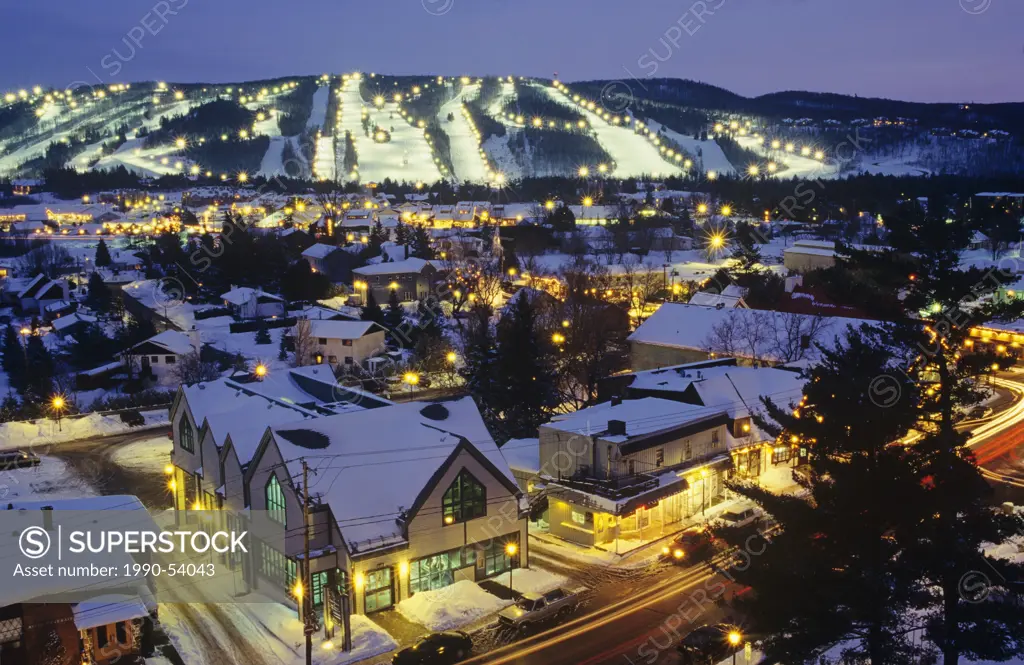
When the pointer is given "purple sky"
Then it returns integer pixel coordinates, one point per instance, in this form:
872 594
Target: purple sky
921 50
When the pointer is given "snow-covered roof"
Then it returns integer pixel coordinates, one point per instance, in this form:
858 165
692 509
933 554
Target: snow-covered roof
739 389
381 460
107 609
522 454
34 285
410 265
329 329
708 299
175 342
686 326
65 322
642 416
318 251
248 420
240 295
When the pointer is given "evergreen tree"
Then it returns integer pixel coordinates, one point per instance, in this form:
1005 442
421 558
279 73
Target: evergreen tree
481 366
509 260
378 236
421 244
371 310
746 252
394 316
527 391
14 359
92 347
103 255
262 333
853 543
39 371
402 234
98 297
282 352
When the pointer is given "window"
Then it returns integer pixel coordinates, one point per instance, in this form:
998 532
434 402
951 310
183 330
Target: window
495 558
101 637
464 500
643 518
154 359
687 451
332 360
321 340
659 457
714 437
169 360
579 518
379 594
186 436
631 465
434 572
275 500
346 342
122 632
349 360
275 566
319 581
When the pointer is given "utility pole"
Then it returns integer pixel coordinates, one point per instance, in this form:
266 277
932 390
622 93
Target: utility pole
307 590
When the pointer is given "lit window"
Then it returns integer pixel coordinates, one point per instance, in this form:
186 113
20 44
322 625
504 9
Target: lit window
465 499
275 500
186 436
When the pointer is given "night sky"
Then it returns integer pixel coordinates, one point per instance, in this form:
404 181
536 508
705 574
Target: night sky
921 50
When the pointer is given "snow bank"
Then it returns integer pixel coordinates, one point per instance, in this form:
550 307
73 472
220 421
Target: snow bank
452 606
30 434
146 455
52 479
535 580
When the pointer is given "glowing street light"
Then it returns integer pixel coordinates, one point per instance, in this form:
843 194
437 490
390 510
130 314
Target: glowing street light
260 370
588 201
584 172
451 357
58 404
726 210
510 550
753 170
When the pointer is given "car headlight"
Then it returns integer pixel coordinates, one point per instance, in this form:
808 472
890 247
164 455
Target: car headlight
678 554
664 550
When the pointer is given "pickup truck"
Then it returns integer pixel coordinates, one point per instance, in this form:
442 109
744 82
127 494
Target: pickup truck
534 607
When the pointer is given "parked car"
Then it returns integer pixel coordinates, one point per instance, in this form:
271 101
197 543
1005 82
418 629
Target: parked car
708 644
689 546
17 459
450 646
534 607
740 516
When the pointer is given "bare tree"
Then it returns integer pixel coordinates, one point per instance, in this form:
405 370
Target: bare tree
795 335
643 283
191 368
47 259
303 342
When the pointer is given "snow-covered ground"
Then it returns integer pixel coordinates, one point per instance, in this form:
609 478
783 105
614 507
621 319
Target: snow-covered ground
273 160
452 606
405 157
52 479
31 434
709 153
152 162
324 159
799 165
465 148
146 455
318 115
269 630
634 155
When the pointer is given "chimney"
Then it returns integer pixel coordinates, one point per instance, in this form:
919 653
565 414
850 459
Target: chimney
48 518
617 428
616 400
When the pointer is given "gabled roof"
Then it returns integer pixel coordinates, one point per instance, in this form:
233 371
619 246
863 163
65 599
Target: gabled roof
331 329
173 341
243 294
33 286
319 251
410 265
64 322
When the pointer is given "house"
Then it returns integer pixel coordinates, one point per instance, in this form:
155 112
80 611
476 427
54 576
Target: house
248 303
412 278
331 261
159 355
588 215
633 470
25 186
66 326
57 618
444 503
40 292
344 343
807 255
683 333
718 300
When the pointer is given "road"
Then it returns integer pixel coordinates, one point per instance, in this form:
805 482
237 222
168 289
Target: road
998 443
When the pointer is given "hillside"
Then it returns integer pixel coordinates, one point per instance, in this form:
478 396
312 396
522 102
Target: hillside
368 127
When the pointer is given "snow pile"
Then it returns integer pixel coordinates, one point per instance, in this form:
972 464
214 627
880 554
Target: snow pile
32 433
535 580
146 455
52 479
451 606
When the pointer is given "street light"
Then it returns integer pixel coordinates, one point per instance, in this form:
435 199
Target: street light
734 640
58 405
452 357
261 370
510 550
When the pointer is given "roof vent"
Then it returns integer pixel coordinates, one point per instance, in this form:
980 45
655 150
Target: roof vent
435 412
617 428
616 400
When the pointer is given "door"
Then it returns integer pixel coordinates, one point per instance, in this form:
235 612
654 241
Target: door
379 593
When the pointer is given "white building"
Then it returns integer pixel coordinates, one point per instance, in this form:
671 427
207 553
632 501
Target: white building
248 303
161 353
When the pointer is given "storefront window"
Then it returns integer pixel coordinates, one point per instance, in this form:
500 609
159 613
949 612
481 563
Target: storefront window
434 572
379 593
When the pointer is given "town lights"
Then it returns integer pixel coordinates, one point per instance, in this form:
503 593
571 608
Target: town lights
588 201
378 101
261 370
451 357
716 241
702 208
558 338
411 378
243 177
734 637
58 403
753 170
584 171
726 210
712 175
